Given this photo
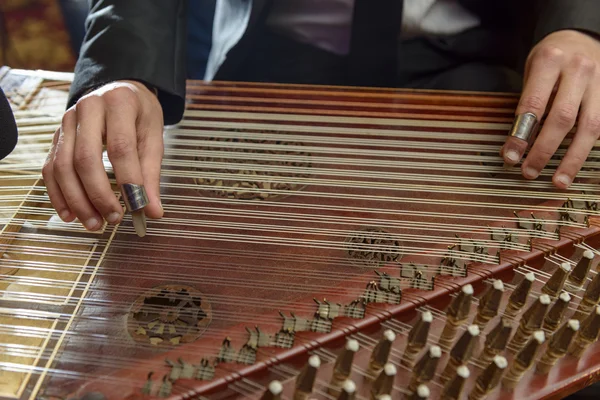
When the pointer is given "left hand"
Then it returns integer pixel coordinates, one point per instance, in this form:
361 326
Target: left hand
565 64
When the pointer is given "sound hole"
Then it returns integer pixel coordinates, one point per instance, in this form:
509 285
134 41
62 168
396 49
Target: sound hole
253 169
169 315
373 247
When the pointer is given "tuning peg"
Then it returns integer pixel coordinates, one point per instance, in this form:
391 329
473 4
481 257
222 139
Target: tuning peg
348 390
518 297
461 352
496 340
523 360
381 353
456 315
306 379
489 304
489 378
555 284
453 389
384 382
273 392
530 321
343 366
579 274
422 392
417 338
591 297
555 314
558 346
424 370
588 333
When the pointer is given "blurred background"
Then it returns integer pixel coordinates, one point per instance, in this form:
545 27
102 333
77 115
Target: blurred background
41 34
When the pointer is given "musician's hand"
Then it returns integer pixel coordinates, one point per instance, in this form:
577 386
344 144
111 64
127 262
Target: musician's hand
566 66
127 117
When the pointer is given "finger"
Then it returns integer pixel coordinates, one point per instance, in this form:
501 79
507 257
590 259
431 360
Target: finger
542 75
588 132
88 159
151 152
562 116
121 135
54 194
66 177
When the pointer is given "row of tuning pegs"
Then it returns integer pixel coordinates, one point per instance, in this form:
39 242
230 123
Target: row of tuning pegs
381 374
535 322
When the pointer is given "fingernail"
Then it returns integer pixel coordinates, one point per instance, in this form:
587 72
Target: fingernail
64 214
91 223
512 156
113 218
564 179
160 204
531 173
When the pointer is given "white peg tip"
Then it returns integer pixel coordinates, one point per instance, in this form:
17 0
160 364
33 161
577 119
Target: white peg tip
468 289
463 371
498 285
573 324
473 330
566 267
588 254
500 362
389 335
384 397
427 316
423 392
539 336
349 386
597 310
390 369
275 387
436 351
545 299
564 296
530 276
352 345
314 361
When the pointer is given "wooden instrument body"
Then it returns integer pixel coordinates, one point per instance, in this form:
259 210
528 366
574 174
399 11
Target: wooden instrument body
264 188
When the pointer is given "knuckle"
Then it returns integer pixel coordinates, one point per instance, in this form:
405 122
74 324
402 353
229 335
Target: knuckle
119 97
534 102
577 158
83 159
565 115
47 170
551 54
88 103
592 124
98 199
61 166
119 148
68 116
583 63
539 157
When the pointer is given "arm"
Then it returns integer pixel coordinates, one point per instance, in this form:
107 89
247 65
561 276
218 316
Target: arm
142 40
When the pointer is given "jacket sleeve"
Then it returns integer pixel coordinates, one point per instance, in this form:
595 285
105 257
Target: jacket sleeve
140 40
556 15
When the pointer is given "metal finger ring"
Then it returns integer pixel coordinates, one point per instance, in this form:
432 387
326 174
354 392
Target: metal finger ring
524 127
134 196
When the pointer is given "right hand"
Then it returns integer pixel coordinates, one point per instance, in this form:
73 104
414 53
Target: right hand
127 117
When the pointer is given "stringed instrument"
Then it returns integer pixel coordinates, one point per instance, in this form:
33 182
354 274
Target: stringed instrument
318 242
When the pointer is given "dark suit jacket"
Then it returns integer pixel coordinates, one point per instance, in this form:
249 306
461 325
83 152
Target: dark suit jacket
145 40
